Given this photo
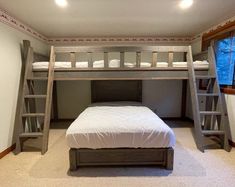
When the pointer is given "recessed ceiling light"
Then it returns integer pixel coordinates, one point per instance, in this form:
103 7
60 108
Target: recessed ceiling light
61 3
186 4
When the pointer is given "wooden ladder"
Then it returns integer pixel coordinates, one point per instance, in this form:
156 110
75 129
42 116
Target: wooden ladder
29 125
209 122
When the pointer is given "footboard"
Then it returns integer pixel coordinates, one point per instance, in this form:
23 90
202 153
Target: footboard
122 156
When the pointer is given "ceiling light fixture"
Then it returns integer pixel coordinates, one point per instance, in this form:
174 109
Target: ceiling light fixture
61 3
184 4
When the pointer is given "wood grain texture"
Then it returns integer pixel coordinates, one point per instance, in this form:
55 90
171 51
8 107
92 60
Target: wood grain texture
163 157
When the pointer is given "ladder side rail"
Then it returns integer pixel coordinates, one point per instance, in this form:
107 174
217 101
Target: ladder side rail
223 109
48 102
21 121
195 103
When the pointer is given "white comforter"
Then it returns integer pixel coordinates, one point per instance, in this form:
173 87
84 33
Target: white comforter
119 127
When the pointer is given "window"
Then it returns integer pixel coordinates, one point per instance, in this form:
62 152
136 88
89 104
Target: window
225 60
223 39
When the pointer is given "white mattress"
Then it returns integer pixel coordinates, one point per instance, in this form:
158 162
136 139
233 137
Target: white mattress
115 63
44 65
119 127
197 64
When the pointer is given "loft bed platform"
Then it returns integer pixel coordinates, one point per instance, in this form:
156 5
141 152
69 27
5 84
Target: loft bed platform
122 72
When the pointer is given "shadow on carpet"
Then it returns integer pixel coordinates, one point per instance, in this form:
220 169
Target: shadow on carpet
55 164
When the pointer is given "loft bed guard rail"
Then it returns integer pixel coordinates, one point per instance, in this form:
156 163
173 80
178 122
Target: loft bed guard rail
122 50
121 72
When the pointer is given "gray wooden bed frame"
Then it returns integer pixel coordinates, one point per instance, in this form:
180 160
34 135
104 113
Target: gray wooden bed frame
109 91
83 157
121 157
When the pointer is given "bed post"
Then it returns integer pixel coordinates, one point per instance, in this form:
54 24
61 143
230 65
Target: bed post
72 159
169 158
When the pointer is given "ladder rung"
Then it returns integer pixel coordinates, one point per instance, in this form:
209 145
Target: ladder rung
216 113
213 132
31 134
38 78
205 77
208 94
35 96
33 115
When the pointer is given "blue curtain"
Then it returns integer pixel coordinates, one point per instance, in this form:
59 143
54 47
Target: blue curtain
225 60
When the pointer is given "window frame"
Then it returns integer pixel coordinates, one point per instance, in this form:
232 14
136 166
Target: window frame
222 32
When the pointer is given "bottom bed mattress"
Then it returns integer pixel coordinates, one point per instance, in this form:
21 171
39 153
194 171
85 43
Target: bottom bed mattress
119 127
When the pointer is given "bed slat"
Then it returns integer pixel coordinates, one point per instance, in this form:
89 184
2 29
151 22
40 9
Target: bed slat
73 59
89 57
170 59
106 60
154 59
122 59
138 59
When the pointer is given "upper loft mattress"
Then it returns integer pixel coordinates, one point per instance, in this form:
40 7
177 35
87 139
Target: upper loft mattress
119 127
44 65
115 63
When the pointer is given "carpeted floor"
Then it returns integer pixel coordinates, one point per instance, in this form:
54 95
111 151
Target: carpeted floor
191 167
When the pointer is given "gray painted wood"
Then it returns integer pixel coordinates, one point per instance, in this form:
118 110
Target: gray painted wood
55 102
215 114
27 56
224 122
120 74
73 157
77 49
122 59
154 59
163 157
138 59
170 159
73 59
195 103
106 60
90 62
170 59
48 102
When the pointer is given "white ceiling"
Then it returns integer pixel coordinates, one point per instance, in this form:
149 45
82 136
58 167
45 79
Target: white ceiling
119 17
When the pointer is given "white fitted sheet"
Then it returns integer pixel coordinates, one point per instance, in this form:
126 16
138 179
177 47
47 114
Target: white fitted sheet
197 64
119 127
115 63
44 65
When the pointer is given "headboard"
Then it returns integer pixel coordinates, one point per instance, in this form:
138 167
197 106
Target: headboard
118 90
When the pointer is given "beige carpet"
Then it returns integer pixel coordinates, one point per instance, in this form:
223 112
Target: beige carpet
191 168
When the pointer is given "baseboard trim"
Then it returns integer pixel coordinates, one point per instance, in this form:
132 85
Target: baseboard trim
231 143
8 150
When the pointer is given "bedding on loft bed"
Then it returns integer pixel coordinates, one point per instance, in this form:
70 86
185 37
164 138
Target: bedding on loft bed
119 126
115 63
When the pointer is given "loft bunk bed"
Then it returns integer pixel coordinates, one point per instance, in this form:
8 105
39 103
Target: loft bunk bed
123 71
208 122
